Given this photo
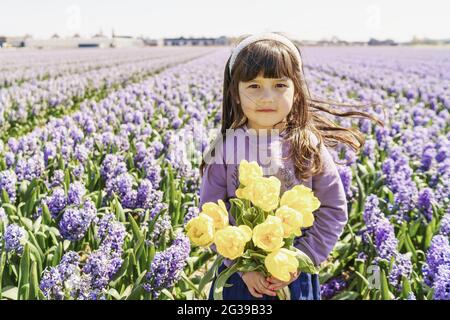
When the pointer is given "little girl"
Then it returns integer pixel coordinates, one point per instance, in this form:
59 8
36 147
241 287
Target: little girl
264 88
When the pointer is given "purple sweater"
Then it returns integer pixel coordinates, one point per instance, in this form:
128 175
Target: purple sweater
220 181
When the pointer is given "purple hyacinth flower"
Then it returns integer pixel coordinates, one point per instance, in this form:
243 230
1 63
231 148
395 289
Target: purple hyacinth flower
76 192
75 221
14 237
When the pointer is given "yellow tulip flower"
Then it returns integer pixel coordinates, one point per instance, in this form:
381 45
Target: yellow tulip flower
249 171
262 192
269 234
302 199
200 230
292 221
281 263
230 241
218 212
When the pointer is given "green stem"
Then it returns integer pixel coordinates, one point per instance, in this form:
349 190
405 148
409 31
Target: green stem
222 279
258 255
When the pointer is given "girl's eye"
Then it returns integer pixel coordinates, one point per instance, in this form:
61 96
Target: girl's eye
282 85
253 86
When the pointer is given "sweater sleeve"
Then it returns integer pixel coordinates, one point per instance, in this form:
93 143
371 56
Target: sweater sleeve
214 184
212 188
330 219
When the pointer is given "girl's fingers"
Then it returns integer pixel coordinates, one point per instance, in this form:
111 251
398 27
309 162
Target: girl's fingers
267 291
273 280
278 285
254 293
264 283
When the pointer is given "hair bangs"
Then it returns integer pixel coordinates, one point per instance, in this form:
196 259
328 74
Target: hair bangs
266 58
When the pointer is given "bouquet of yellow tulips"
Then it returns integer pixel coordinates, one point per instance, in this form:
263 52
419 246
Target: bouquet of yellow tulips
265 228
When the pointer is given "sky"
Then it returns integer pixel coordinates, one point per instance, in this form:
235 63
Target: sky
352 20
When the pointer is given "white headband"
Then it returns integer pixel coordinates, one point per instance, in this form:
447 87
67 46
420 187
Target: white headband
263 36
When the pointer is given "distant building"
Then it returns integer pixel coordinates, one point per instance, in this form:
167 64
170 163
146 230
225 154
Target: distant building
388 42
126 41
428 42
16 42
151 42
359 43
75 42
305 43
98 41
221 41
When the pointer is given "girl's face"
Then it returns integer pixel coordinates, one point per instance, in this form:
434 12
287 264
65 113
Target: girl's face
266 101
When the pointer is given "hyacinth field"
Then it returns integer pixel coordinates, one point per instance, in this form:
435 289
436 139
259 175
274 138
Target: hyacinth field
99 158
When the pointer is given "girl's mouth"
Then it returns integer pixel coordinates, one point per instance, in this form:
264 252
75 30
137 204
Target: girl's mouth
265 110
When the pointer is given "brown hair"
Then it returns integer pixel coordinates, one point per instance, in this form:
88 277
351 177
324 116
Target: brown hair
275 60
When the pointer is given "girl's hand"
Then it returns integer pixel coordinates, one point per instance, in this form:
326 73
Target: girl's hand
257 284
276 284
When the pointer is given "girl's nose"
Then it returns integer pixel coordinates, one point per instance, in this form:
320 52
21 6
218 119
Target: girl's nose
267 96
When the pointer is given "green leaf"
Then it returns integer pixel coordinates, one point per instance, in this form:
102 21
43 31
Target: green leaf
24 273
24 292
430 295
127 291
210 274
346 295
66 244
414 227
54 231
222 279
136 231
2 266
362 169
34 288
139 278
37 224
151 253
190 284
385 293
37 255
410 246
167 294
99 199
5 197
46 215
341 248
235 208
388 192
136 294
363 279
139 248
428 236
27 223
305 263
66 180
30 204
120 215
10 209
361 192
58 254
113 292
406 287
260 218
10 293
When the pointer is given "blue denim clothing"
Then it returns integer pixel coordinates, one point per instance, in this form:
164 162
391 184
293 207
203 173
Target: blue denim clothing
306 287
